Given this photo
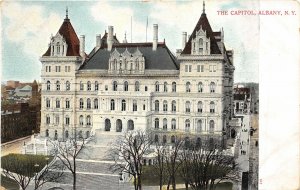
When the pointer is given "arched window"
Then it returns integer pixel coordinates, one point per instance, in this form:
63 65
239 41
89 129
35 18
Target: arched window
165 105
55 135
156 123
80 120
67 103
188 106
115 86
123 108
165 139
67 120
80 103
137 64
57 103
88 120
88 103
173 86
134 105
173 139
47 103
165 124
80 134
67 134
212 107
211 126
81 86
130 125
68 86
212 87
173 123
187 125
200 87
200 106
156 86
47 132
96 103
48 85
57 85
188 87
156 138
47 119
96 86
201 42
137 86
156 105
198 142
173 105
89 86
165 87
199 126
125 86
112 104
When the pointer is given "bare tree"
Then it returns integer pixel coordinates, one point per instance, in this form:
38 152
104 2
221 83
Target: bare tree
160 163
128 153
204 167
172 164
24 169
67 152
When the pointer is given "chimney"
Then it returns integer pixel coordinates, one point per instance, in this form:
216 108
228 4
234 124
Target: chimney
184 35
82 46
155 36
110 38
98 42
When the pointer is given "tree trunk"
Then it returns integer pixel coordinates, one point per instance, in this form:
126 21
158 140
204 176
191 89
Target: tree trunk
173 182
74 180
169 182
160 183
135 182
186 185
139 182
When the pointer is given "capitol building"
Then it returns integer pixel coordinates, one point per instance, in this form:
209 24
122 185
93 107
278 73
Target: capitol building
121 86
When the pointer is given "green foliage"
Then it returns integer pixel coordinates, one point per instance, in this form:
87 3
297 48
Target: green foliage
23 164
8 183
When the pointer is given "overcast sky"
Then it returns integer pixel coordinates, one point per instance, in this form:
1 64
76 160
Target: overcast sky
27 28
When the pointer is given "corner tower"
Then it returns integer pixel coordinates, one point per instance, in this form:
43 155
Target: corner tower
59 65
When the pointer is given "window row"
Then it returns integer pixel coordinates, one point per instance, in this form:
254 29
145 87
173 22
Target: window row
187 106
68 86
199 125
200 68
123 105
56 120
212 87
79 134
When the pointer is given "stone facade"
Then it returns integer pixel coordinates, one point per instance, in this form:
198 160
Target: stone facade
131 86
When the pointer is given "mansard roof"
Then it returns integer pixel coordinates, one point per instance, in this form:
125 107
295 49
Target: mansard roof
68 32
204 24
161 59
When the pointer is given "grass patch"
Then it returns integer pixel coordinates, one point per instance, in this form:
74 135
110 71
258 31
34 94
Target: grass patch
220 186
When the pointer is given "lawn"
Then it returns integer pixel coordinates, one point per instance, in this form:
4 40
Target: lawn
220 186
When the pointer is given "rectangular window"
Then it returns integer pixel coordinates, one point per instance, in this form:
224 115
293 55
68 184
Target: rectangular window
210 68
67 104
190 68
57 68
106 88
215 68
186 68
202 68
144 107
198 68
67 121
46 68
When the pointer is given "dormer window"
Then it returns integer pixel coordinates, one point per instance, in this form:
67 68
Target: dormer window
57 48
201 43
201 46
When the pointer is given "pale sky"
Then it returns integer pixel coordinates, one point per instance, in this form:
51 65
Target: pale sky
27 27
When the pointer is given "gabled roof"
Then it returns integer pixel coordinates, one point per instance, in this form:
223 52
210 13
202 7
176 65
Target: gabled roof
68 32
161 59
204 24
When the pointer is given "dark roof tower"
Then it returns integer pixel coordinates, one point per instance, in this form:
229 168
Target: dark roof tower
68 32
204 24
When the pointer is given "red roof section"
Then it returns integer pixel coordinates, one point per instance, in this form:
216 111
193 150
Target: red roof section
68 32
203 22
